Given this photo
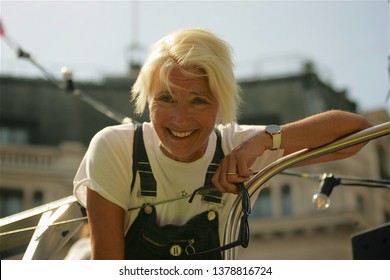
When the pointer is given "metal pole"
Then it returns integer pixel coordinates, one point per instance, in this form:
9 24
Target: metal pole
257 182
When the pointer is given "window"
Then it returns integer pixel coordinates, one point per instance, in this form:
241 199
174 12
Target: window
287 208
14 135
11 202
383 158
263 204
387 216
37 198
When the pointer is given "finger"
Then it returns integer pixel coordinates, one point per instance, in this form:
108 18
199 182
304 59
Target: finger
237 171
220 180
233 175
243 168
234 179
225 187
232 165
217 175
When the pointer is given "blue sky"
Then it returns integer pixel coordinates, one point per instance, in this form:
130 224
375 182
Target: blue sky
347 40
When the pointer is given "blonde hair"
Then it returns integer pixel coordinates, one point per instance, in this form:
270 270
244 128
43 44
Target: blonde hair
196 51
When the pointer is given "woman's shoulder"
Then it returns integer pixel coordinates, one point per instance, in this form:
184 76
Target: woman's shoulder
121 130
113 135
234 129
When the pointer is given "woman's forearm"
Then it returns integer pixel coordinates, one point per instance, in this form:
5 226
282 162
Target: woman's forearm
321 129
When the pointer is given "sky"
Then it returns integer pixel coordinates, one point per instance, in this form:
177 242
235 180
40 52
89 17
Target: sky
347 40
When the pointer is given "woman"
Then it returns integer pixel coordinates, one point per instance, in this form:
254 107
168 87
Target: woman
135 202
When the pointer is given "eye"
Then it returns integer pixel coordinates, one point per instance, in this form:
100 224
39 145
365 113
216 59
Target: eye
166 98
199 101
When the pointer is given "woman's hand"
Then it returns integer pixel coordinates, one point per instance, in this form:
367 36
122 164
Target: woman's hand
235 167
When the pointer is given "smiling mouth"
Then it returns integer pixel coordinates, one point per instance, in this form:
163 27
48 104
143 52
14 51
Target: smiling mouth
181 134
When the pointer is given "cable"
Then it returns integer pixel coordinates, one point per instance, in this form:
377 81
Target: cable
69 85
321 199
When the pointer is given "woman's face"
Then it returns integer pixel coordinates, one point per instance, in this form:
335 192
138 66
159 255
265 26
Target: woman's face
183 116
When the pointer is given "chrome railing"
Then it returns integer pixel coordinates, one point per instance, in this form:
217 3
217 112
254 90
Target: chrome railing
257 182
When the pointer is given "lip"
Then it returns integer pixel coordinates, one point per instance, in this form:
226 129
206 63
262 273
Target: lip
180 134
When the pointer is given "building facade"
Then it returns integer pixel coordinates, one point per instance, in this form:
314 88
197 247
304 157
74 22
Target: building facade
44 133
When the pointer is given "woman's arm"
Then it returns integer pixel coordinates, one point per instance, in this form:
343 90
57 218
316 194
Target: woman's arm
106 222
323 129
311 132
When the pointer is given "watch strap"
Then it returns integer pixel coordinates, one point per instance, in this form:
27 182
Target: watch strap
276 133
276 141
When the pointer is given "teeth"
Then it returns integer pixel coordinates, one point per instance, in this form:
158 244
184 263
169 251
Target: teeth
181 134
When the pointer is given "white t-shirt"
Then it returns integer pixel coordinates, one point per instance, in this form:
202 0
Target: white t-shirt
107 169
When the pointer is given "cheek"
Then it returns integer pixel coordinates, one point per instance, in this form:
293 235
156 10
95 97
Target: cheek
159 116
211 115
218 118
151 110
154 112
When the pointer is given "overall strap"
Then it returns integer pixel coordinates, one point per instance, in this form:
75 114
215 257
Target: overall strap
216 196
148 182
142 165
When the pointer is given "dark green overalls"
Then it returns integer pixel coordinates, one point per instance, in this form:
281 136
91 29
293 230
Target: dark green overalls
147 240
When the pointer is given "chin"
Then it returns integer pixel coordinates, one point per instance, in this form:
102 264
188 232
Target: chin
182 155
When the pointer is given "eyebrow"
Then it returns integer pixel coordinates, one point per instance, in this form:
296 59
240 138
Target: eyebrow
172 92
199 93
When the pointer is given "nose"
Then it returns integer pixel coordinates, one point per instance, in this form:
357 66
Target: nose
182 114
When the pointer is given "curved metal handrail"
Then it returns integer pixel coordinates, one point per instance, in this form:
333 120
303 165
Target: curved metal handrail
257 182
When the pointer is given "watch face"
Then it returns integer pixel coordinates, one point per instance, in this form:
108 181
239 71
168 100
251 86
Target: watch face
273 128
